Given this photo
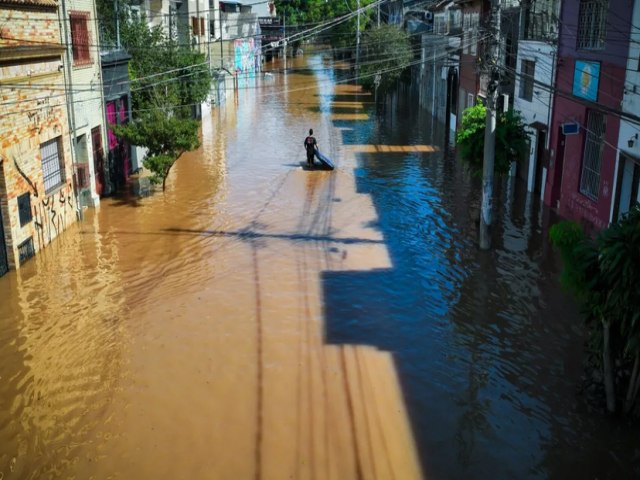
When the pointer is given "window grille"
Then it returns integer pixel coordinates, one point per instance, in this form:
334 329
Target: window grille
26 250
592 160
24 208
52 168
528 70
592 24
80 40
474 23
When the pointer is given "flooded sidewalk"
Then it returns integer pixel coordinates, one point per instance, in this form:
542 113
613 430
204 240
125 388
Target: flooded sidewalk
183 335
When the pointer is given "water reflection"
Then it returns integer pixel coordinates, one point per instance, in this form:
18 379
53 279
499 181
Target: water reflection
488 347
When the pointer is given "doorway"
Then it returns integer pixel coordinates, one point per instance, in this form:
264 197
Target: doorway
627 186
98 159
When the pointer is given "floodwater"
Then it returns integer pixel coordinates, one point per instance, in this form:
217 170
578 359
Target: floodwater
262 321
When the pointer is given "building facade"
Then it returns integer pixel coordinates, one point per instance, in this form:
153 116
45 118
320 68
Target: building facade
533 92
592 59
626 191
470 85
38 195
84 90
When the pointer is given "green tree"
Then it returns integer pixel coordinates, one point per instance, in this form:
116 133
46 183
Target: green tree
165 136
511 138
167 81
604 276
387 53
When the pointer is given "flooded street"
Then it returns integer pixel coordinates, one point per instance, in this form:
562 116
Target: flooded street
262 321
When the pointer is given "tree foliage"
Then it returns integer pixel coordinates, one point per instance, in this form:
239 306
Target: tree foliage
604 276
168 80
341 36
166 137
387 52
511 138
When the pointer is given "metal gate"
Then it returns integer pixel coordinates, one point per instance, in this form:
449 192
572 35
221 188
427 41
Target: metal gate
4 266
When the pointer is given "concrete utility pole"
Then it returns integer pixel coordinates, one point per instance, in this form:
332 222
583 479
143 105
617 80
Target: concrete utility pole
220 27
378 14
493 71
358 44
284 42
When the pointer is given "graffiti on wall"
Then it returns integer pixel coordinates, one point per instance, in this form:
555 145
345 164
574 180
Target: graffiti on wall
245 55
50 216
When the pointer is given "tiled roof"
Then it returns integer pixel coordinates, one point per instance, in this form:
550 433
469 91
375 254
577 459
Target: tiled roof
34 3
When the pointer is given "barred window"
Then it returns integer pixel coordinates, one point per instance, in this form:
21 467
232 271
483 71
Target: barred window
592 24
52 165
592 160
528 70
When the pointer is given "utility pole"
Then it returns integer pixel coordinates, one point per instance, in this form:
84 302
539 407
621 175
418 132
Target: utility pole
378 14
493 71
220 27
117 15
358 44
284 42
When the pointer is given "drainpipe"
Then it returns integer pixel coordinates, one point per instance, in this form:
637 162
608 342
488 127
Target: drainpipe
68 87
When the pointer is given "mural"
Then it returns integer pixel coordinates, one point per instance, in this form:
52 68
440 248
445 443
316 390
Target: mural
245 55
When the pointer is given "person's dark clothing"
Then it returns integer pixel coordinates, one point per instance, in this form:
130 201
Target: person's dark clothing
310 144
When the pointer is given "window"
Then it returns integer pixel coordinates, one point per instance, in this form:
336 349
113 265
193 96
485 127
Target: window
592 161
469 100
26 250
527 70
24 208
80 40
52 166
592 24
540 20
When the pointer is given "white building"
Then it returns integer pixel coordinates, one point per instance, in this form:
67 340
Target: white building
535 73
626 190
84 94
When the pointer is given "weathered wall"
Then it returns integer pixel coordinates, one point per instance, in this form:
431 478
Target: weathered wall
33 112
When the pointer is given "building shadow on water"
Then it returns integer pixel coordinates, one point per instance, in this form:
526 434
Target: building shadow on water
487 347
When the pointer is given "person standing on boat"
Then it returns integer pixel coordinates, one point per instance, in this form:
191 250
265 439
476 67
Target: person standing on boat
310 144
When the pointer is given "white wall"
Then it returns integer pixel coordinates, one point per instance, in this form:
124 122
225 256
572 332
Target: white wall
88 106
630 102
538 109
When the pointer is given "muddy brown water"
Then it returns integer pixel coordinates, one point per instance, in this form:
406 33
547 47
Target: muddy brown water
262 321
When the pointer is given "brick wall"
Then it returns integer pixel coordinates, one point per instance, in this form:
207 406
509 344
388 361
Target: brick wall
33 111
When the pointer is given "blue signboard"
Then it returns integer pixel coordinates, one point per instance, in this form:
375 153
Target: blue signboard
585 80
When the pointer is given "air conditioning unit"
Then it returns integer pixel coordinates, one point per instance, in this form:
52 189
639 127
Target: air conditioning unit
570 128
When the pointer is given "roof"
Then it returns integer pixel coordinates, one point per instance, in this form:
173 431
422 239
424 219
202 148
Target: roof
31 3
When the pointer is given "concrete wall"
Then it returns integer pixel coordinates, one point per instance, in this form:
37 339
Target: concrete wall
30 117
